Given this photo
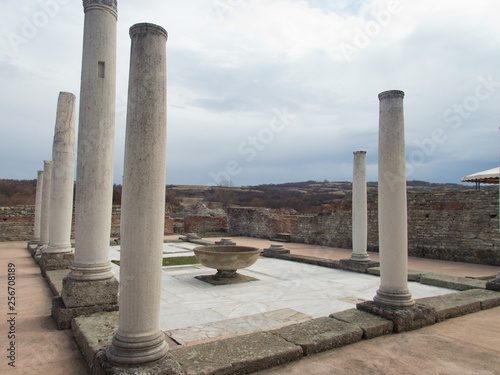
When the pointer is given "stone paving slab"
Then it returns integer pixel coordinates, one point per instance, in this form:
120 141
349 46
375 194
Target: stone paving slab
452 282
372 325
461 303
237 355
194 335
55 280
320 334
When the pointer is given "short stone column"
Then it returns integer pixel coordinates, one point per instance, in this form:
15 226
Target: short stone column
91 285
139 338
38 210
392 216
57 254
44 219
359 209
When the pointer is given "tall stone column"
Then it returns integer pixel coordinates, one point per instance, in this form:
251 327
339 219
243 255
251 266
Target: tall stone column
91 281
139 338
57 254
38 209
392 216
44 219
359 209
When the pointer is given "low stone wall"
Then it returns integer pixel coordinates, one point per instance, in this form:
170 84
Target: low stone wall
457 225
16 223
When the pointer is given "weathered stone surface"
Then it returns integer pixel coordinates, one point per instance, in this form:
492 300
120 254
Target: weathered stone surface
320 334
55 280
165 366
89 293
63 315
452 305
354 266
55 261
372 325
237 355
494 284
404 319
487 298
272 253
94 333
451 282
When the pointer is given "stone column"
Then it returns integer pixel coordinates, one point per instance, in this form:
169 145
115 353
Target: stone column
392 217
56 255
91 281
359 209
44 219
139 338
38 209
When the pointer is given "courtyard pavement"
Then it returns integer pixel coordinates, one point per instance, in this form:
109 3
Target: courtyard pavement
193 311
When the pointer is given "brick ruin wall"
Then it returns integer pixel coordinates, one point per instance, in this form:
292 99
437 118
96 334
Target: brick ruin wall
459 225
16 223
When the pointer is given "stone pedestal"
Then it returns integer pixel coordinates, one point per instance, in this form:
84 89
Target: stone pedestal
393 242
61 195
225 241
359 209
45 216
94 178
38 210
139 338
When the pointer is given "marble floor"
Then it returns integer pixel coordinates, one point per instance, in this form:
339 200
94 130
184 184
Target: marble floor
285 293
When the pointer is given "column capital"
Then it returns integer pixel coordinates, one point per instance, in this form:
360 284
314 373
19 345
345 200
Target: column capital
111 5
391 94
143 28
359 152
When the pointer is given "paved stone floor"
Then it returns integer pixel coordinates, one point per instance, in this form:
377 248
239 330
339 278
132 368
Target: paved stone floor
193 311
464 345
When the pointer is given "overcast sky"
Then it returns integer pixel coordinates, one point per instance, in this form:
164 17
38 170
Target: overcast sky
272 91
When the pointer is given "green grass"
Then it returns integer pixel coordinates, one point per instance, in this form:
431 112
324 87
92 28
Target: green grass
175 261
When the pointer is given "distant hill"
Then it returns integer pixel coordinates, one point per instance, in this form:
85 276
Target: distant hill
305 196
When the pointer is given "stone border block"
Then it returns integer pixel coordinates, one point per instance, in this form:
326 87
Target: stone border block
237 355
320 334
452 305
274 253
452 282
354 266
404 319
55 280
94 333
372 325
63 315
494 284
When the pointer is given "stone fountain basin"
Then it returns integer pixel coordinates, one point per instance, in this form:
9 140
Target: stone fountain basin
226 257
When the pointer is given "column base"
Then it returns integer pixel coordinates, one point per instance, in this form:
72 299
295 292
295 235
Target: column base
137 350
63 315
394 299
164 366
404 319
87 293
55 261
357 266
494 284
360 257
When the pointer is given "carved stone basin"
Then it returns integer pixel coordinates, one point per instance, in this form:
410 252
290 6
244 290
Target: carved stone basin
226 259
